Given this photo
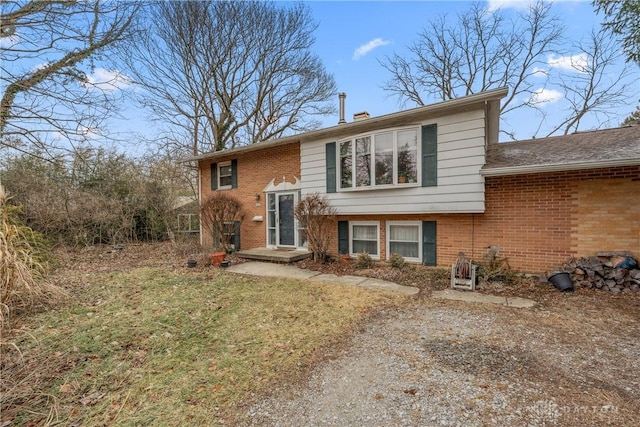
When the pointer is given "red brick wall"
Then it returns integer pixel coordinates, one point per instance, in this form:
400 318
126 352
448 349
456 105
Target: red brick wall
540 220
255 170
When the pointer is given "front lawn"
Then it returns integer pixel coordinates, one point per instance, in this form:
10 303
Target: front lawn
169 346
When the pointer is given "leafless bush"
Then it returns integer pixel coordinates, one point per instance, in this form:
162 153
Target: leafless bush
363 260
218 211
95 196
495 267
316 217
396 260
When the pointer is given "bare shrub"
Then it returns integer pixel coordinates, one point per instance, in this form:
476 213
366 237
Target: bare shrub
495 267
396 260
216 212
316 217
22 275
363 260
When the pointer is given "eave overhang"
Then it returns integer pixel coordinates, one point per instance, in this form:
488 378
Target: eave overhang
361 126
559 167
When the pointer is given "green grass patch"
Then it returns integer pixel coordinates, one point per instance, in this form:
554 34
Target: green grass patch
168 348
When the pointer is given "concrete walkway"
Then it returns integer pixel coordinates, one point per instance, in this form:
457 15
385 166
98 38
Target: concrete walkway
283 270
467 296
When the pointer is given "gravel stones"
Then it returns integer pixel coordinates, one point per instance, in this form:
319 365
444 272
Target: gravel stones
436 366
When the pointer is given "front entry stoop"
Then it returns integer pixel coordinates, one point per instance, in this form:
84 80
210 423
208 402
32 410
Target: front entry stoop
284 256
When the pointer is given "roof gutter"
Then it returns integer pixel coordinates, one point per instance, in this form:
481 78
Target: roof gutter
361 125
559 167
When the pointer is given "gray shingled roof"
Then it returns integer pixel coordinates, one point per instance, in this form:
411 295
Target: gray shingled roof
600 148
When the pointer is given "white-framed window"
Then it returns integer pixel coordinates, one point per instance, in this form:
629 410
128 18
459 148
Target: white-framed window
383 159
188 223
364 237
224 175
404 238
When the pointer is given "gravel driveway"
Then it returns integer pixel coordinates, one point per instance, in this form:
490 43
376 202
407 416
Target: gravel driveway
573 361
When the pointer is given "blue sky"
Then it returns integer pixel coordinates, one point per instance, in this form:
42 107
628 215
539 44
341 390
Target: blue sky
353 36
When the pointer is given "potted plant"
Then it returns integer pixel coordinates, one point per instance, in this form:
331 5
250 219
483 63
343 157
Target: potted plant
217 257
345 259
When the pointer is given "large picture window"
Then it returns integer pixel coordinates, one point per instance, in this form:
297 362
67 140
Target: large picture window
403 237
383 159
365 238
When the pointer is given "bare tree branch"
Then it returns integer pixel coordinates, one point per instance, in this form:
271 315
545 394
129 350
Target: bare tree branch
241 72
594 89
47 49
483 51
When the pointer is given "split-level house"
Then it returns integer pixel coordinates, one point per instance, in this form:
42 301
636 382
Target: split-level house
430 182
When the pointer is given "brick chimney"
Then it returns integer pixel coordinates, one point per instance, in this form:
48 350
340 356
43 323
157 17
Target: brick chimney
360 116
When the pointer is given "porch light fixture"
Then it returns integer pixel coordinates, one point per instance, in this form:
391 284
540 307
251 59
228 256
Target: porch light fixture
257 196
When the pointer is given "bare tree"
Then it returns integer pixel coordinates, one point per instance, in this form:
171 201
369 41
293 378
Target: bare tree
220 74
48 48
595 87
485 51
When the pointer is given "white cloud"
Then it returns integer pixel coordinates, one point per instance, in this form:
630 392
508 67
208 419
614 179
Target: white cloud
89 133
577 63
503 4
544 96
368 47
108 80
80 133
9 41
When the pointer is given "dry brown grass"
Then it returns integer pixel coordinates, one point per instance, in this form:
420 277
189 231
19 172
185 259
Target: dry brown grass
22 275
147 341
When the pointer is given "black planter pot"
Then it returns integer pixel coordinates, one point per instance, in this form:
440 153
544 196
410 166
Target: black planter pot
191 263
562 281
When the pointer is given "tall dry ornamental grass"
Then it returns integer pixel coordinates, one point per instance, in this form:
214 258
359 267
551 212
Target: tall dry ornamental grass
22 276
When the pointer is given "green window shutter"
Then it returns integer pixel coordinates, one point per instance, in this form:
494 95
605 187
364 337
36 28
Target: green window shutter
429 243
234 174
330 157
236 235
343 237
429 156
214 176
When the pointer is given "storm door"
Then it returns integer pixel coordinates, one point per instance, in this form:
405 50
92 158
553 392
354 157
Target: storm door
286 220
281 223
